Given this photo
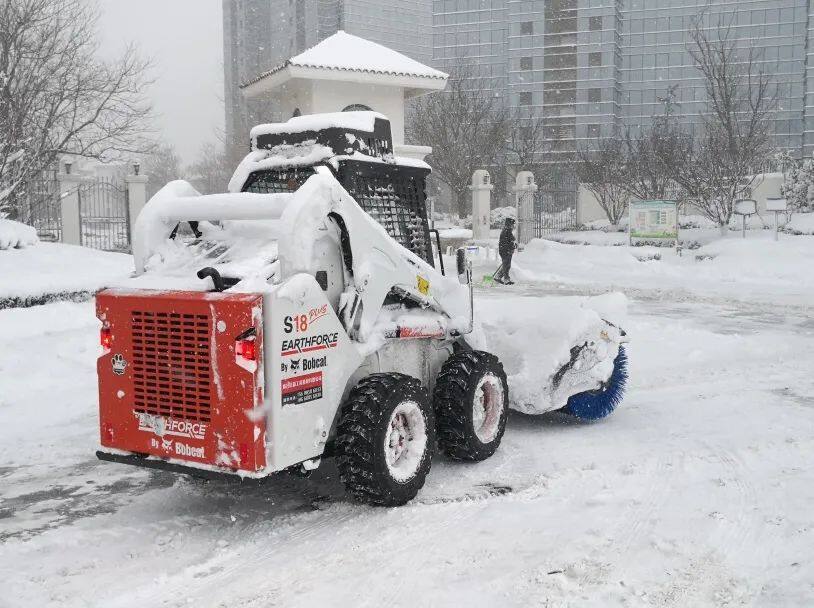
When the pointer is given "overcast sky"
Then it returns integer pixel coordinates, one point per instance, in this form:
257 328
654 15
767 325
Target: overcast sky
184 38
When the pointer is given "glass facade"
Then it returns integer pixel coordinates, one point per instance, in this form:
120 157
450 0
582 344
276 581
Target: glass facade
261 34
589 66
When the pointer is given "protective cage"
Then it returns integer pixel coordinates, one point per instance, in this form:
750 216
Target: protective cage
173 379
393 195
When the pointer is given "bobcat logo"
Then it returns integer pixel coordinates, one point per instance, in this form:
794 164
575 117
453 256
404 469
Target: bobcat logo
119 364
166 444
295 365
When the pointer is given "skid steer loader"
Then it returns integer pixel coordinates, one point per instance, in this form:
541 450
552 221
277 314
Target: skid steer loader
304 315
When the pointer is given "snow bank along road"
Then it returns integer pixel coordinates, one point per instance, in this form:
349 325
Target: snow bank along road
697 492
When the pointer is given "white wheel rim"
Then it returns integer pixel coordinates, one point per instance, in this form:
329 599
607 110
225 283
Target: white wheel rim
405 440
487 408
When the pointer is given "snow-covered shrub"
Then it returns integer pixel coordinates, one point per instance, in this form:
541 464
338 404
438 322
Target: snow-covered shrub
605 226
686 222
800 224
798 187
16 235
498 215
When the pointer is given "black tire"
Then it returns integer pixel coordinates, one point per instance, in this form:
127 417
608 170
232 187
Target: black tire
454 401
365 424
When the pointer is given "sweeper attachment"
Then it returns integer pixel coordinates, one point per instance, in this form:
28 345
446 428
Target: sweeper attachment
302 315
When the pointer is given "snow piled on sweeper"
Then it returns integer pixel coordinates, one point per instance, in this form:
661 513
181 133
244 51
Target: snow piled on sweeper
556 347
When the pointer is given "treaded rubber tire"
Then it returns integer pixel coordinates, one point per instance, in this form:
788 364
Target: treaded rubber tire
591 406
363 425
453 400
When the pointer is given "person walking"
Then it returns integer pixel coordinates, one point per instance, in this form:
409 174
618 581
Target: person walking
506 248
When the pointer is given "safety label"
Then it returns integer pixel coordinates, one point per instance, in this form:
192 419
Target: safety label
302 389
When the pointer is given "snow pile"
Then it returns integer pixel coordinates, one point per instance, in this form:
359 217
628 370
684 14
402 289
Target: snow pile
801 223
14 235
533 338
730 266
599 238
352 121
179 201
763 261
52 271
306 154
455 233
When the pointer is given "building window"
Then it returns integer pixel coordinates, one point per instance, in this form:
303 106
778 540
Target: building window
526 27
524 98
595 60
594 95
593 131
526 63
595 24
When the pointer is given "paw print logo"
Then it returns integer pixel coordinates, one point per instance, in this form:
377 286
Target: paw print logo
119 364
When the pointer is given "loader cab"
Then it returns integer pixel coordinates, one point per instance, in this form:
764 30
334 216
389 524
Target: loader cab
358 149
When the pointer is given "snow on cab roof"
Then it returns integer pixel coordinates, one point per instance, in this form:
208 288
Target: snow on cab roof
344 51
357 121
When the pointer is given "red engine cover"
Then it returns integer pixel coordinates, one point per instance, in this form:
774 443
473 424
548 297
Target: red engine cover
171 384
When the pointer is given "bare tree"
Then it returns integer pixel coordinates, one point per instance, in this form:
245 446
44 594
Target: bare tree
161 166
526 137
466 127
56 95
213 169
655 153
735 144
602 170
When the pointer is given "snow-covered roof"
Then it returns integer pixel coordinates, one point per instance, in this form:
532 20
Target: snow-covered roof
346 52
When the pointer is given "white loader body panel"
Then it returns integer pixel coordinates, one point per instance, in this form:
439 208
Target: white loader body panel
310 359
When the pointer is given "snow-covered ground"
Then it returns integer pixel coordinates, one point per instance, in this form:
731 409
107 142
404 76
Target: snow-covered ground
755 268
46 271
696 492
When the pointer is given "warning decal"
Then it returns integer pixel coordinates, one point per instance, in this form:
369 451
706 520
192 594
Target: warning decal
302 389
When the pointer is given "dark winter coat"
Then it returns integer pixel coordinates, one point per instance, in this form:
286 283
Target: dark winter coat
507 243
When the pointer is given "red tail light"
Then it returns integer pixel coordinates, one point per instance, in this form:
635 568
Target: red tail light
106 338
246 349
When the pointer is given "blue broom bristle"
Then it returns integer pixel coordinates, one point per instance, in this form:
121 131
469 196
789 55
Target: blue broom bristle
595 405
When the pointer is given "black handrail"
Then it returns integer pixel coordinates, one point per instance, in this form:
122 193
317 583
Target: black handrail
438 243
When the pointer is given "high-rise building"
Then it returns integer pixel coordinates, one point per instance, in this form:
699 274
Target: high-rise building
259 35
590 66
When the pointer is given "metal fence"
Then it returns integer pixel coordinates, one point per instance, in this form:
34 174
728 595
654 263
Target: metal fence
104 215
555 205
40 206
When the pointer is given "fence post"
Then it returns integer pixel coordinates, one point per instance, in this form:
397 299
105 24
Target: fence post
69 206
136 197
481 204
524 189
